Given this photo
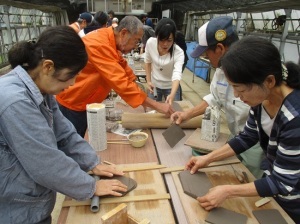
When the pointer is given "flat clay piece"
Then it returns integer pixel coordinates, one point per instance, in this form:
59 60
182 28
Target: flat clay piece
194 185
129 182
176 106
173 135
225 216
268 216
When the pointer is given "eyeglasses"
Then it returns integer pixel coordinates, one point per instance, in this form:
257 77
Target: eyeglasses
138 42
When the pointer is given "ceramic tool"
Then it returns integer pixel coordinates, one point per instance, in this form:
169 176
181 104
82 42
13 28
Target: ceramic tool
155 92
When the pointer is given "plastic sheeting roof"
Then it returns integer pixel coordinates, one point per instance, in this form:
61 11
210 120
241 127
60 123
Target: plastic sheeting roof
201 7
42 5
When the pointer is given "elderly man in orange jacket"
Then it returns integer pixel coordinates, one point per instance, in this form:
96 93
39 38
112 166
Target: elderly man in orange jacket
107 69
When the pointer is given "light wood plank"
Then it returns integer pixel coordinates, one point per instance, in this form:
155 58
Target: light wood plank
118 200
220 176
149 182
230 160
116 215
139 168
204 146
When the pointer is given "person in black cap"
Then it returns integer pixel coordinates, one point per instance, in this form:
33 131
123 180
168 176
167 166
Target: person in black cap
100 20
215 37
83 21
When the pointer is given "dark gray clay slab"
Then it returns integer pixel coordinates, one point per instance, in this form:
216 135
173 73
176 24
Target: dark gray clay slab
173 135
129 182
269 216
194 185
176 106
225 216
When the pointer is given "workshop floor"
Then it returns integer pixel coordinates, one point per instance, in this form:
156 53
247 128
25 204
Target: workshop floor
191 91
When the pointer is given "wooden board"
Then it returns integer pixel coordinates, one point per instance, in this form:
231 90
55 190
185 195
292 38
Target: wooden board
227 161
127 154
158 120
204 146
119 215
149 182
175 157
116 215
218 176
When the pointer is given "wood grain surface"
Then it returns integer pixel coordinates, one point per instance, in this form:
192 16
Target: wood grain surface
220 176
204 146
150 182
158 120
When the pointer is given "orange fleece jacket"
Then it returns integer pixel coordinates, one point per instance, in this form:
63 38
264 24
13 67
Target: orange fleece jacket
106 69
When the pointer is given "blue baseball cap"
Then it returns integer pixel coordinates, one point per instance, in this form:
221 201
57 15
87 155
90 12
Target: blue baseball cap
213 32
86 16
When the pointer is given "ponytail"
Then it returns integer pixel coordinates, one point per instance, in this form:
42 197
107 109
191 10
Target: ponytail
293 75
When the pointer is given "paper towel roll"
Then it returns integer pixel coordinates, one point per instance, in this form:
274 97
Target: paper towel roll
96 126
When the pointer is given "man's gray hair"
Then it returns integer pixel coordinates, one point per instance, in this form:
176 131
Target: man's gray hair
131 23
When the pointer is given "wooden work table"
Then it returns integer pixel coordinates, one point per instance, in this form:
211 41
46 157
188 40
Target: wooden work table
186 208
181 208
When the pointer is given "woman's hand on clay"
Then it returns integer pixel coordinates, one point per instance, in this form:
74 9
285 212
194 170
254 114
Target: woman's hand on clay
214 198
110 187
106 170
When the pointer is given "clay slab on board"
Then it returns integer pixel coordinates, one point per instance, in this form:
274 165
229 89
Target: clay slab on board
225 216
129 182
173 135
194 185
268 216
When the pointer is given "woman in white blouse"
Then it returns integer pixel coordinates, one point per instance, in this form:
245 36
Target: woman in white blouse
163 63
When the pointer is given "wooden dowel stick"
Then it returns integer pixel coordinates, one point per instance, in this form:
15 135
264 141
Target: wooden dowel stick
116 140
120 143
124 199
108 163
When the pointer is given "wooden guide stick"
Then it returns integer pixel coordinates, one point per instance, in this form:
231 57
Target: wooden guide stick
139 168
120 143
134 168
213 164
149 197
115 140
108 163
171 169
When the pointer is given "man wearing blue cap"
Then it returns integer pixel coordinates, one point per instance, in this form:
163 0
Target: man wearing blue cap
82 22
215 38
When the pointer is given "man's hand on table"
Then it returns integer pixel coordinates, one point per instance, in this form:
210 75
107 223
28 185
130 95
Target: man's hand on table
165 108
160 107
179 116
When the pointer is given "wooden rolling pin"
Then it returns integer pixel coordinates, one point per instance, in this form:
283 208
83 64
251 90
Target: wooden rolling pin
156 120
